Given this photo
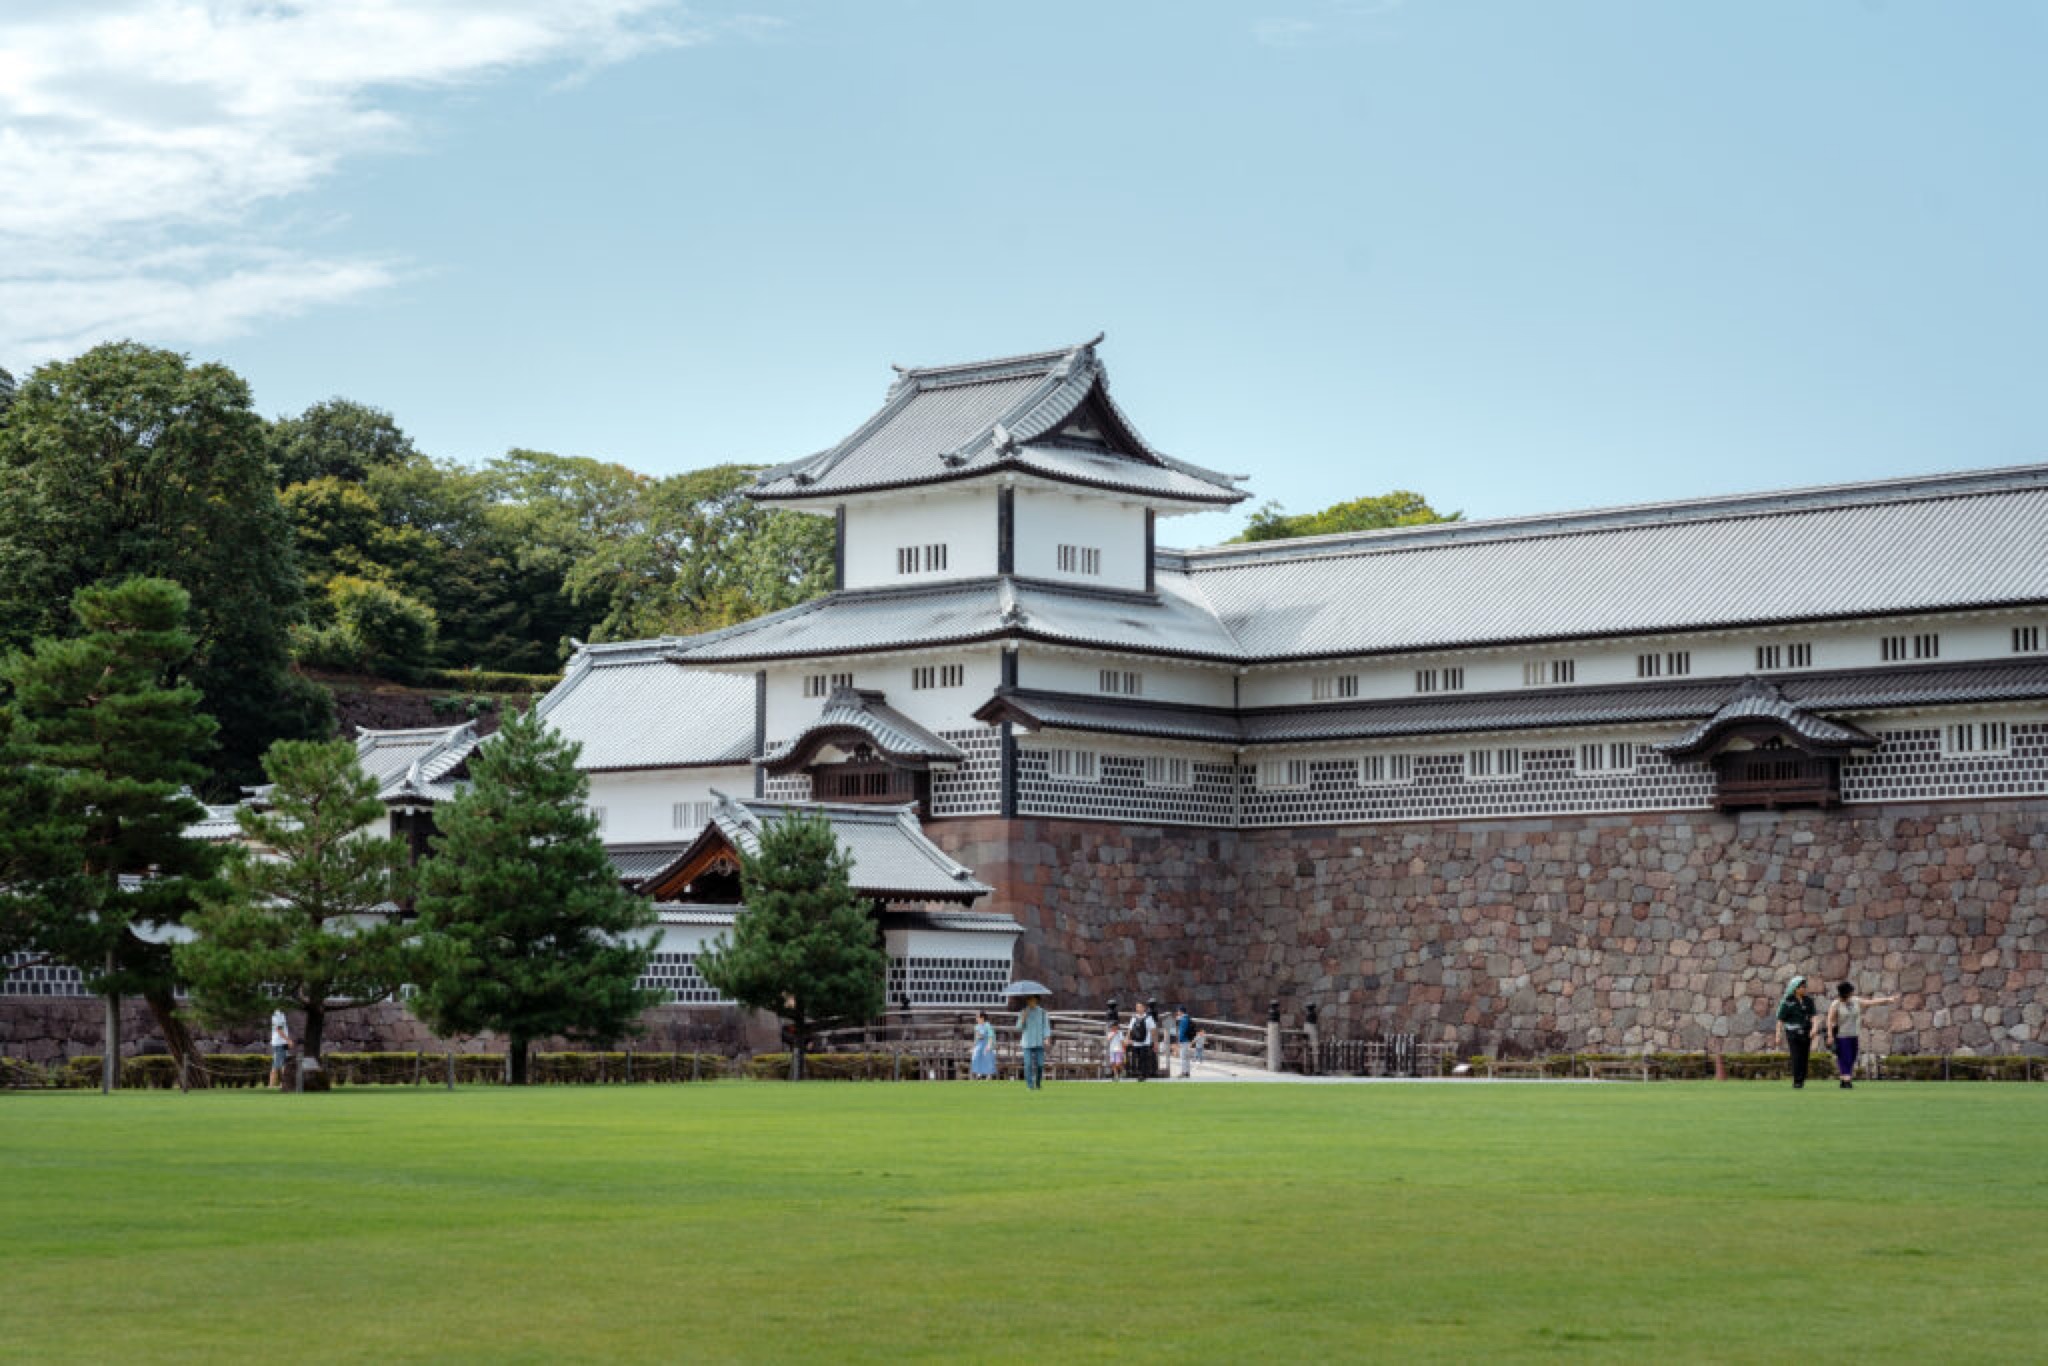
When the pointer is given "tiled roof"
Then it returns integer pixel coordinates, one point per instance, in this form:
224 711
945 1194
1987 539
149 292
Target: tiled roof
676 913
1173 622
1663 702
944 423
636 861
959 922
891 857
218 825
1902 546
1758 699
631 706
888 730
416 765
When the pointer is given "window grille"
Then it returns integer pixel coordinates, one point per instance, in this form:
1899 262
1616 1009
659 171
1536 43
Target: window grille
1333 687
937 676
1799 655
1385 769
920 559
597 814
1277 774
1164 770
1617 756
1667 663
1122 682
2026 640
1450 679
1074 765
1080 559
692 815
1493 764
1976 739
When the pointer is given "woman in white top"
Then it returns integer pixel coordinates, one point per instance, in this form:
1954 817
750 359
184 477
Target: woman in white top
1844 1028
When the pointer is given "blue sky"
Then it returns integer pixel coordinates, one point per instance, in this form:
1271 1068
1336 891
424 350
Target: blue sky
1517 256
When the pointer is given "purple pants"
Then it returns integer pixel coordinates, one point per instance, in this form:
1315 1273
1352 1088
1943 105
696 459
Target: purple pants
1845 1055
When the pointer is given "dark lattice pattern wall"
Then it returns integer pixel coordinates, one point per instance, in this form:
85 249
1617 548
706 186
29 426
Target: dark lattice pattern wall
787 787
948 981
1548 785
675 976
975 788
1120 792
1908 765
43 979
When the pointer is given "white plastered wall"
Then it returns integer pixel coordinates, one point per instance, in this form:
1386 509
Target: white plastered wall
639 808
1165 681
1833 646
937 709
1046 520
963 520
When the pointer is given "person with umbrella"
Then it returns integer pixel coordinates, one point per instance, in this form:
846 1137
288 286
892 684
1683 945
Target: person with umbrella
1034 1029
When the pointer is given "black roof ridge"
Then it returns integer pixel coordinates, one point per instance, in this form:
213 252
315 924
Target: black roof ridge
1621 517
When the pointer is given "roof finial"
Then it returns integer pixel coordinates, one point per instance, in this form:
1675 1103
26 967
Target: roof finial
1095 340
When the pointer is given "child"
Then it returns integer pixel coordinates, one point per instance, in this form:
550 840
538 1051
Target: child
1113 1049
1844 1026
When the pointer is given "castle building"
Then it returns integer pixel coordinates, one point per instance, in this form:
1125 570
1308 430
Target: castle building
1591 779
1600 777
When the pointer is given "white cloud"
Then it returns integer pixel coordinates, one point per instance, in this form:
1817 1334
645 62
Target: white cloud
141 139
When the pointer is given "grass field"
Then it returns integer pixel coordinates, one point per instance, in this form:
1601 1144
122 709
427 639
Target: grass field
759 1221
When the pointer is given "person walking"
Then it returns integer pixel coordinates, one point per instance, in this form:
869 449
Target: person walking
1843 1028
1138 1055
1034 1028
280 1048
982 1063
1184 1039
1795 1028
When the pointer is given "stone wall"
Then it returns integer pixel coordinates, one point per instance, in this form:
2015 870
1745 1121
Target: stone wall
1667 930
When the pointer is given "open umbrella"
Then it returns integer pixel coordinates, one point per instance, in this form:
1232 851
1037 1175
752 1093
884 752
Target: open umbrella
1026 988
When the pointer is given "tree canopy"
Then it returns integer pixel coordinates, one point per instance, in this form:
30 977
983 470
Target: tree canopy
805 948
109 751
133 461
1372 513
297 923
524 927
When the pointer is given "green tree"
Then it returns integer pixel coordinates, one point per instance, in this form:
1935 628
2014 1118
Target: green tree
805 948
298 925
375 629
704 556
524 928
1399 508
133 461
338 439
113 748
6 390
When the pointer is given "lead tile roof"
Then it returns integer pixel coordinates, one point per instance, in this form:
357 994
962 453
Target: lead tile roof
888 730
951 422
631 706
1759 699
891 857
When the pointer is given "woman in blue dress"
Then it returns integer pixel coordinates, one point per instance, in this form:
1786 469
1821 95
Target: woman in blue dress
984 1061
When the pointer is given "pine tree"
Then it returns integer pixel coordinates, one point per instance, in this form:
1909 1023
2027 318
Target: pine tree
805 947
116 752
301 929
524 928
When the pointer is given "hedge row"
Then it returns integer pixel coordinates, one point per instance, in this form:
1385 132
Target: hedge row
1777 1066
834 1067
485 680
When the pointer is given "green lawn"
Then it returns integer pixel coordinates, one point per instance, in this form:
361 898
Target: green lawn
839 1221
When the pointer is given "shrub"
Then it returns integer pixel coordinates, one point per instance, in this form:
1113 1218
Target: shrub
18 1074
485 680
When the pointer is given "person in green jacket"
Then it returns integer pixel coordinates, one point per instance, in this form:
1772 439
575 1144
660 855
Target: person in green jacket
1795 1028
